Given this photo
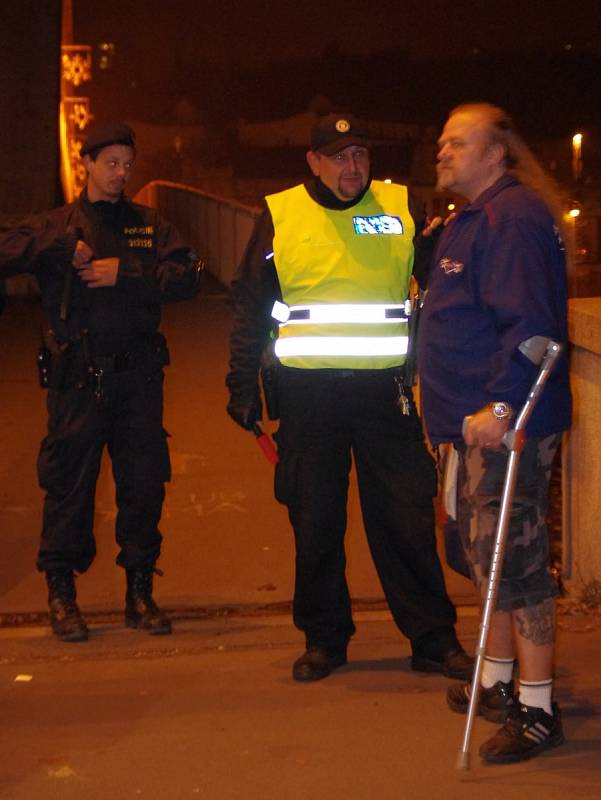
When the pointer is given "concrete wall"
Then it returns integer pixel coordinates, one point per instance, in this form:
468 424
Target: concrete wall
582 452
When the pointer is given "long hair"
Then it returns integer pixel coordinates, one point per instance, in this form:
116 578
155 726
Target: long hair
521 162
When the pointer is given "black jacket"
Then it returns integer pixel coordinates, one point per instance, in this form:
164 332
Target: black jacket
155 266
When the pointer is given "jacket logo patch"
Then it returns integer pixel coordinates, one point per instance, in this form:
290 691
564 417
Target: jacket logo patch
139 236
147 230
378 225
447 265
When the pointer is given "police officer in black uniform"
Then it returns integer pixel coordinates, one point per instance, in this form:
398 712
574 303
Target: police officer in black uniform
104 265
331 261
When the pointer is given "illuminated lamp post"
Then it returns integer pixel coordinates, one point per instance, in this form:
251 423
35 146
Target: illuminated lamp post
75 115
577 156
572 217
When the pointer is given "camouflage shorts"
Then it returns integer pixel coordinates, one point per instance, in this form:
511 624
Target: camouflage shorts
526 578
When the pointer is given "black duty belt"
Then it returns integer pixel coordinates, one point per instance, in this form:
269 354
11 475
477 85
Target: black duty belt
341 372
116 362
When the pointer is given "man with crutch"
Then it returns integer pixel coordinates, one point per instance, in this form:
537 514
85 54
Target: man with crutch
497 284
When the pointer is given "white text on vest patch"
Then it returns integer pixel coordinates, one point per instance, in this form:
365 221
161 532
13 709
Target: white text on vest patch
378 225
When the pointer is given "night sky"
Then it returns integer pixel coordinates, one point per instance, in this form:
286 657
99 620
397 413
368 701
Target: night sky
394 59
261 31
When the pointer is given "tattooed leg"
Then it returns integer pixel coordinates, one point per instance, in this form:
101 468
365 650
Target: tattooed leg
536 623
534 631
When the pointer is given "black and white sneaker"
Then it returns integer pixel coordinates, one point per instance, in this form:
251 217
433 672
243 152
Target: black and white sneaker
527 732
494 704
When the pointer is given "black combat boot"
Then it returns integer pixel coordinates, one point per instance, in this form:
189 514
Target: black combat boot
140 609
65 617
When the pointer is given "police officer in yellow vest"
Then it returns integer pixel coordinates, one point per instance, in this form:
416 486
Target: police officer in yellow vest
323 285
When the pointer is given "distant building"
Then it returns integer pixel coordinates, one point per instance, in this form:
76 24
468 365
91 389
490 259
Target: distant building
295 131
276 148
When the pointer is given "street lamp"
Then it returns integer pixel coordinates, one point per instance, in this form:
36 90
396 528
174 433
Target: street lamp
576 156
572 219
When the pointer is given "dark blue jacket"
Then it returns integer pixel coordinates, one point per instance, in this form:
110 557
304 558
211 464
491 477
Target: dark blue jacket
498 277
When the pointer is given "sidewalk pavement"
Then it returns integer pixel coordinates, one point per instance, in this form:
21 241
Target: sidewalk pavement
212 712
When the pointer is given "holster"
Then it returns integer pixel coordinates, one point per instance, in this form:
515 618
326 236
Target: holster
51 360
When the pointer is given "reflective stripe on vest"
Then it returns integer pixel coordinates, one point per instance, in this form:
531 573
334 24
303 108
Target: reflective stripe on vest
341 346
355 313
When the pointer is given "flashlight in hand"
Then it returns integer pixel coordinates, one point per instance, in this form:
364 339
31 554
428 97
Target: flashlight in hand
265 444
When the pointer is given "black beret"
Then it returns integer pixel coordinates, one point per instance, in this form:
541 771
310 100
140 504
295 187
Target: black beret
103 134
334 132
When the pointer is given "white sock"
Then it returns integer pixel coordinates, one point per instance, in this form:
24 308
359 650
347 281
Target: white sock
496 669
537 694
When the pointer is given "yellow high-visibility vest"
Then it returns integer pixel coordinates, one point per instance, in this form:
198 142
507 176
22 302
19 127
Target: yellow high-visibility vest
344 276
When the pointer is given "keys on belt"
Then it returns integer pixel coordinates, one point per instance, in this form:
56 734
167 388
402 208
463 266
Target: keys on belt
402 400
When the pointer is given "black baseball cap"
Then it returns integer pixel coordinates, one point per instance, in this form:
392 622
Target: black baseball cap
103 134
334 132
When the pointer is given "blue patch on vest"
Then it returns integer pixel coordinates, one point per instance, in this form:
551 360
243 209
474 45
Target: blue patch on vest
378 225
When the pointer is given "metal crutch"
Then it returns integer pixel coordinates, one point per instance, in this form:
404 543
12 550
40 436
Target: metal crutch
545 352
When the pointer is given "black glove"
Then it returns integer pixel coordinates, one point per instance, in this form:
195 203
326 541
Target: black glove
246 409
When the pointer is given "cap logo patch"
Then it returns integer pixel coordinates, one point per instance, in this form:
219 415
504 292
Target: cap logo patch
343 126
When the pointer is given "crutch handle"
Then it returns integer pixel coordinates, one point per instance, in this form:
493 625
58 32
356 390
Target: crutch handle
550 356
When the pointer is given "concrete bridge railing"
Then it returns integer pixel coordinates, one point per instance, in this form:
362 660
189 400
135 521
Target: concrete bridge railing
217 227
582 448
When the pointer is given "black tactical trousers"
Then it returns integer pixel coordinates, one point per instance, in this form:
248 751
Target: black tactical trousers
128 419
325 416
